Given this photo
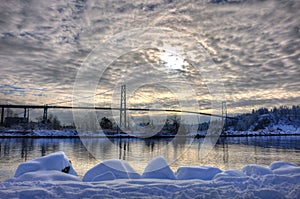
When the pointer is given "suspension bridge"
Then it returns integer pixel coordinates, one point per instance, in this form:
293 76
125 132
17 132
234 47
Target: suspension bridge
123 109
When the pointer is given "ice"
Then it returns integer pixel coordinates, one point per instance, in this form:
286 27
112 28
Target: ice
158 168
202 173
109 170
56 161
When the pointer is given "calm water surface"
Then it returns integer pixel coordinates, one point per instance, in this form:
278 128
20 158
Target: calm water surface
227 153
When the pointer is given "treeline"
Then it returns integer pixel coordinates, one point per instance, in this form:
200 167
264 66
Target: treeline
170 126
261 119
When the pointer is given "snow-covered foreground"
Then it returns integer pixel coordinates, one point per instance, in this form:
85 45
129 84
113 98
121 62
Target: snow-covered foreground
53 176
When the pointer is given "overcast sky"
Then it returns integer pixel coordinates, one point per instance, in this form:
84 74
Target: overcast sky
253 47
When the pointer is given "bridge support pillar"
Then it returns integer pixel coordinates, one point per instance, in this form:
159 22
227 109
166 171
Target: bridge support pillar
2 116
45 115
27 115
25 112
224 115
123 107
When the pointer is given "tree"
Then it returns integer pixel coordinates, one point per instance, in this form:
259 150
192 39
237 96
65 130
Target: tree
9 112
105 123
55 123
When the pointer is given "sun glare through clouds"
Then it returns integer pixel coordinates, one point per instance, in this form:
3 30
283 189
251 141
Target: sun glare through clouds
172 61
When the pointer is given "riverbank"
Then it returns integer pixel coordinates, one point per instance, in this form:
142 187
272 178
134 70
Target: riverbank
72 133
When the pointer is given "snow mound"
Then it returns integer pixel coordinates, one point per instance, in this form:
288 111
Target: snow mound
56 161
110 170
202 173
158 168
229 174
254 181
256 170
287 170
266 193
235 185
51 175
277 179
281 164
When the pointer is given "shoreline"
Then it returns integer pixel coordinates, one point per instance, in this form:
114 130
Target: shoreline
73 134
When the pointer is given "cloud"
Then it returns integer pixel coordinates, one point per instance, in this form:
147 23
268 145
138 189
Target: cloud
254 44
7 89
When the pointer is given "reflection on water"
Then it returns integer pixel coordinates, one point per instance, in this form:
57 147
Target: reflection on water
227 153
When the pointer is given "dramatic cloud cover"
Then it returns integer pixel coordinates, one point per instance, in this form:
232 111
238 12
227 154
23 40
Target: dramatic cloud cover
254 44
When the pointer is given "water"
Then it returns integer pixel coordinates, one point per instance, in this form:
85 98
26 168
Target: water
227 153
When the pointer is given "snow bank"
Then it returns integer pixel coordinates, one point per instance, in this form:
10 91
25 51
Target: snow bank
41 175
111 170
231 173
38 133
270 131
202 173
256 170
116 179
281 164
56 161
159 169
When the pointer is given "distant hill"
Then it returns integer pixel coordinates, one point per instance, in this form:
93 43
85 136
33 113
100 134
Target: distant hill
276 119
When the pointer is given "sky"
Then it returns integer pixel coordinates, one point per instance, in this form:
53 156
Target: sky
168 53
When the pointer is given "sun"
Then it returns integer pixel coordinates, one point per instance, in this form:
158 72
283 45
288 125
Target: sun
172 61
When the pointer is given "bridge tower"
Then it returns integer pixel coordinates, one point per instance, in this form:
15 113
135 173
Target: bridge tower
123 107
45 115
2 116
224 113
26 114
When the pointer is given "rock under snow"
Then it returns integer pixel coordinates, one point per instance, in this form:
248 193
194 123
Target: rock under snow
110 170
158 168
56 161
202 173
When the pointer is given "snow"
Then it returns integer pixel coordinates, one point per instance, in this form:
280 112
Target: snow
39 133
281 164
55 161
202 173
110 170
41 175
230 173
159 169
279 129
282 129
256 170
42 178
